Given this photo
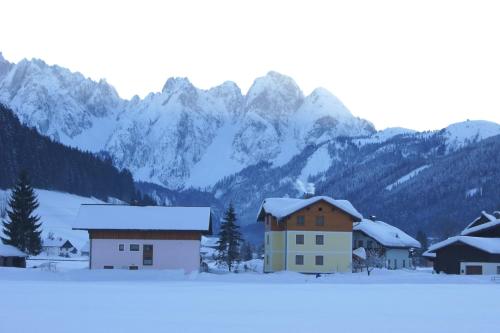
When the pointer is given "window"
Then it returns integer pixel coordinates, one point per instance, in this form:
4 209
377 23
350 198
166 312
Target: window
360 243
498 270
121 247
320 220
404 263
299 239
299 259
133 268
267 259
301 219
147 255
369 244
134 247
108 267
320 209
319 260
388 263
320 239
395 263
267 239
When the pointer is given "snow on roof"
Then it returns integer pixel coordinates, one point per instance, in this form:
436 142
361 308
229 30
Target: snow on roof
386 234
429 254
123 217
10 251
490 245
282 207
360 252
472 227
209 241
56 242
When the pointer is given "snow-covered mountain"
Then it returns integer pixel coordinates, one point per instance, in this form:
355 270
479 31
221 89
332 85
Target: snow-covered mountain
182 136
271 141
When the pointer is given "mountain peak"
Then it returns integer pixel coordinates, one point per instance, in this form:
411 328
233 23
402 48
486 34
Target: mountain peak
177 83
274 92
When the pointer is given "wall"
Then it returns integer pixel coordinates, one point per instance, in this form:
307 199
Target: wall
397 256
488 267
336 252
274 251
167 254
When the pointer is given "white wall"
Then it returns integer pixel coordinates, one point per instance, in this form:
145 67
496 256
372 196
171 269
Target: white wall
167 254
398 256
489 268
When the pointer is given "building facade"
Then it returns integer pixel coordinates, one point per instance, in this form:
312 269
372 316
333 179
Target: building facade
132 237
308 235
391 244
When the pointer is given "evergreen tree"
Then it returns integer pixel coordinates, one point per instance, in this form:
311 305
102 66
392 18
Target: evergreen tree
228 245
23 229
422 238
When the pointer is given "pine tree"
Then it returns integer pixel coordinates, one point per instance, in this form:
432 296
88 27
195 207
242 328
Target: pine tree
23 230
228 245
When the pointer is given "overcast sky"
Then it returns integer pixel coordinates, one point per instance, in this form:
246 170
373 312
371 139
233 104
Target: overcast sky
416 64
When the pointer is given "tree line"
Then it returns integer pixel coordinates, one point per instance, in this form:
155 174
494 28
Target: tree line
54 166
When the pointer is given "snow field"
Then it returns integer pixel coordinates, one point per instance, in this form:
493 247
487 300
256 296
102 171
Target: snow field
155 301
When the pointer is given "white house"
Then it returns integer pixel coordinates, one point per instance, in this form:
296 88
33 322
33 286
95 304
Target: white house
380 238
57 246
152 237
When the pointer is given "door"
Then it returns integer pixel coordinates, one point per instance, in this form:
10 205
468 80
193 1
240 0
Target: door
474 270
147 255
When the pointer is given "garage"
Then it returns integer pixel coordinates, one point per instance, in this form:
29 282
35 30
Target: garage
474 270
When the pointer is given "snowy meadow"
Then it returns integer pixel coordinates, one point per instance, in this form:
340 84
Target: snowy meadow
78 300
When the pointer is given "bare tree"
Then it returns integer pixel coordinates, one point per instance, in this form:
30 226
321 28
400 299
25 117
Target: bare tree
374 258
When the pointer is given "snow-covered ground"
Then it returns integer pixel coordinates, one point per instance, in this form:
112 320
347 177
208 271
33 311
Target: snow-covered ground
80 300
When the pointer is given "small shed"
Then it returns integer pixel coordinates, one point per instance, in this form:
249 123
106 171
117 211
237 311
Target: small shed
467 255
10 256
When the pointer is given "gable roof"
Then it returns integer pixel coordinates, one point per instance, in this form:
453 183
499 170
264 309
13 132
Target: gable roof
56 242
283 207
386 234
10 251
124 217
484 222
490 245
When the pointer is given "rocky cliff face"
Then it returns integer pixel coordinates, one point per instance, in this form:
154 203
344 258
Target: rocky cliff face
171 136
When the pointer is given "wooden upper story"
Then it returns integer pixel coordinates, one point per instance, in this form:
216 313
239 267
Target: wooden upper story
318 216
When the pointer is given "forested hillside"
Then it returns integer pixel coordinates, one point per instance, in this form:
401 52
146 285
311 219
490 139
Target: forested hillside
54 166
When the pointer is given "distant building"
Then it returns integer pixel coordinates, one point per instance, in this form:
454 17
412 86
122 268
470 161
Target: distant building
57 246
475 251
11 256
312 235
391 244
149 237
